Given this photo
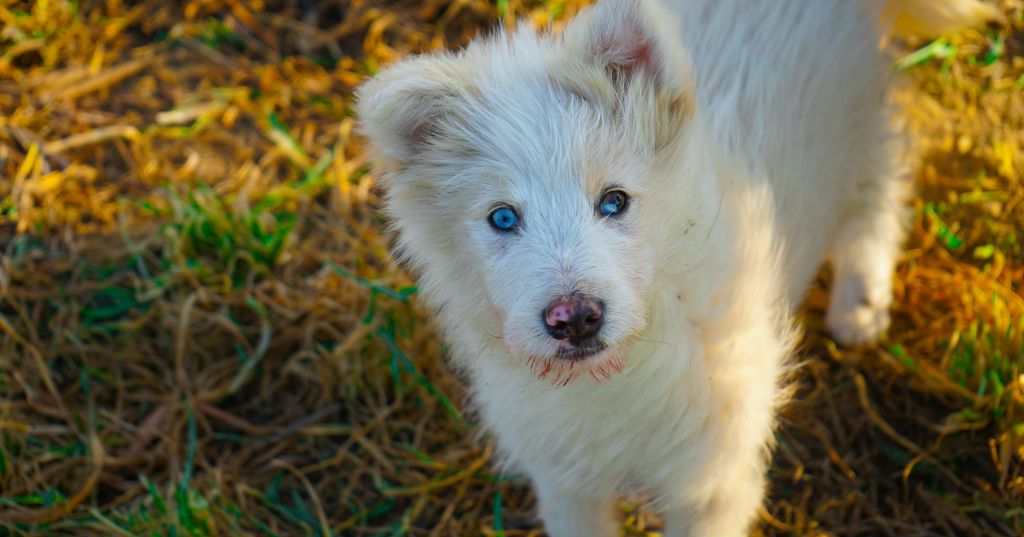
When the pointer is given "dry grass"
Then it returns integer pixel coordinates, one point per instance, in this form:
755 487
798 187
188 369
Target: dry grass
203 332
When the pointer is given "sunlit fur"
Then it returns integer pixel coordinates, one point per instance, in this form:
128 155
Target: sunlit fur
753 139
935 18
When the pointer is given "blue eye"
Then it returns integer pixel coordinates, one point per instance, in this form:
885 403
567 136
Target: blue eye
503 219
613 203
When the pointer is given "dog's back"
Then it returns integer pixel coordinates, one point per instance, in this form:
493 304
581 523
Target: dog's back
795 89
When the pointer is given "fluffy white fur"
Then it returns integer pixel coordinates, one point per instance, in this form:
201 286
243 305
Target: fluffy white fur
754 141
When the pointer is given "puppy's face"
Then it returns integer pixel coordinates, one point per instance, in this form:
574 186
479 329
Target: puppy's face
555 216
521 176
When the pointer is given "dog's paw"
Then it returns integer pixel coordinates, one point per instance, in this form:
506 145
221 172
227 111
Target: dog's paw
857 316
858 325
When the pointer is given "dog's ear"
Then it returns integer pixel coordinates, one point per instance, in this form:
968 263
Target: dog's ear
629 39
401 107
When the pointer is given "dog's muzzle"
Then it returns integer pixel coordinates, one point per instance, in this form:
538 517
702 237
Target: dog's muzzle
575 319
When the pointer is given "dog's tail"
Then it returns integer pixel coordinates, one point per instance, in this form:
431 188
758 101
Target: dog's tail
935 18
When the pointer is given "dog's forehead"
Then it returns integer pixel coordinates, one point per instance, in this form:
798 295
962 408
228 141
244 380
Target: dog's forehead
534 134
519 133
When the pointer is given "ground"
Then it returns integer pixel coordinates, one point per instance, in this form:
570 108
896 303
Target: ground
202 331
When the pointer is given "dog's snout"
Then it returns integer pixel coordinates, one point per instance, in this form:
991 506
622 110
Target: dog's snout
575 318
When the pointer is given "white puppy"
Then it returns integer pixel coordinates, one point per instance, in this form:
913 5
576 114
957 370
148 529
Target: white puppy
614 223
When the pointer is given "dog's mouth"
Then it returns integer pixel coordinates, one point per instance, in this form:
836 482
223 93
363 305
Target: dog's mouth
581 352
596 360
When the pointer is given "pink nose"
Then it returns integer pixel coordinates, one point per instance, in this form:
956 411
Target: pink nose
576 318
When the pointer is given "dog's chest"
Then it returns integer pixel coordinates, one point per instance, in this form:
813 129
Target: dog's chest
645 424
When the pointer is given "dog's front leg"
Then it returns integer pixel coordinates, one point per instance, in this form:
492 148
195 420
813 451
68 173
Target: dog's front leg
569 512
728 511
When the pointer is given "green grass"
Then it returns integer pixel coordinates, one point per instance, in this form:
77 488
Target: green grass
205 235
